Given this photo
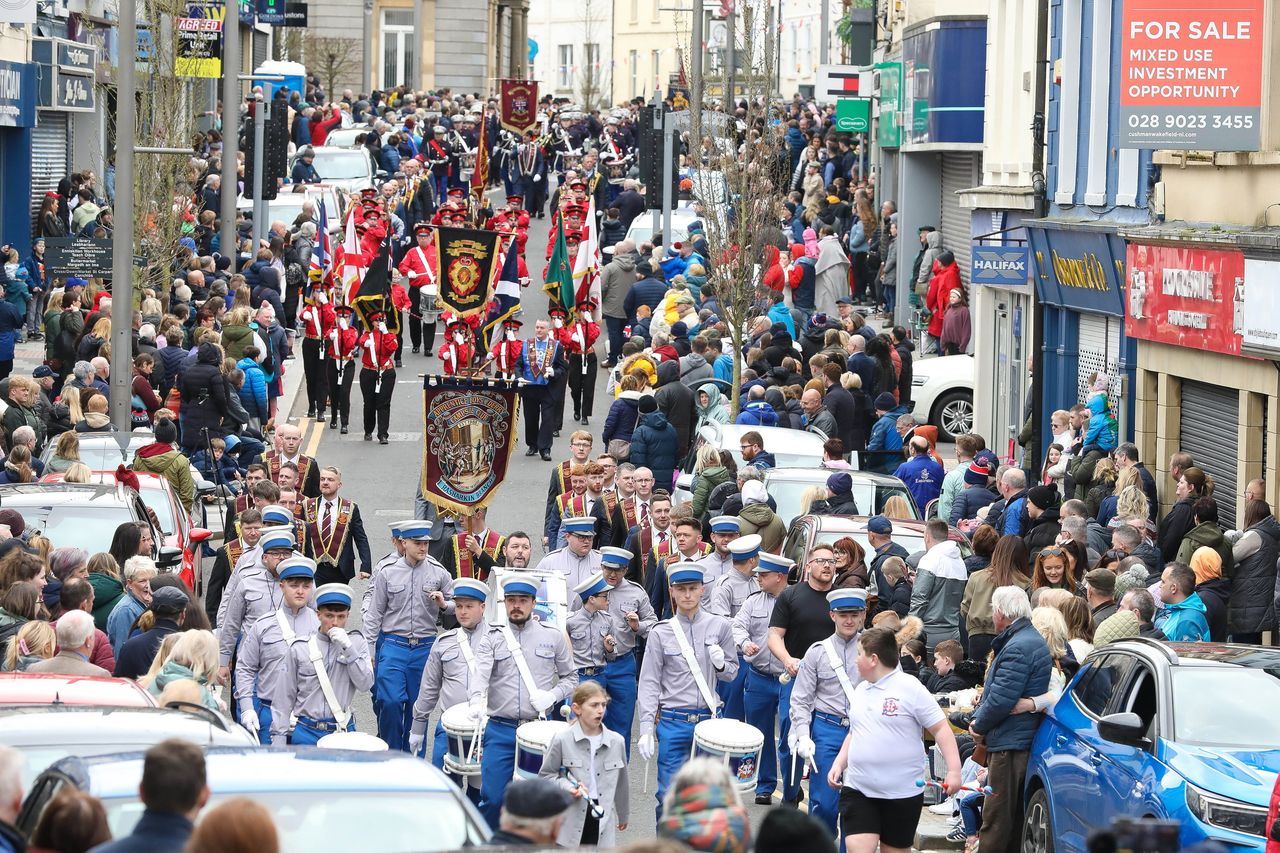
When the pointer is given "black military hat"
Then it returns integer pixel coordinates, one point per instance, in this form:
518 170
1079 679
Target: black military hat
422 228
535 799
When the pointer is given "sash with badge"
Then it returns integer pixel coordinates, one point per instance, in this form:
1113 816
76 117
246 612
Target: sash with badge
465 560
273 467
327 549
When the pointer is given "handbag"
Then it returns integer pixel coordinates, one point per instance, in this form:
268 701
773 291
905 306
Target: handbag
619 449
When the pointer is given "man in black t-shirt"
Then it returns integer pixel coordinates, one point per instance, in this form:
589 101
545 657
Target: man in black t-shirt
800 618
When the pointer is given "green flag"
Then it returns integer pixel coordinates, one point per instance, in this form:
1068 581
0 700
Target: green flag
559 283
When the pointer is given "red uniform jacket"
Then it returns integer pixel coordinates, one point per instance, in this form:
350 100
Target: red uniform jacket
506 354
317 320
573 341
400 298
342 343
386 350
419 262
455 357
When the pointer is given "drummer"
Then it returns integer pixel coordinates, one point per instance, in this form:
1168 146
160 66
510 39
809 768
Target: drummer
717 564
590 629
526 668
633 618
447 675
324 673
729 591
577 560
761 688
822 694
685 653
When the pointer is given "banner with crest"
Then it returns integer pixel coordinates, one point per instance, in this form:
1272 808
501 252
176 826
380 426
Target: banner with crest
468 436
468 261
519 100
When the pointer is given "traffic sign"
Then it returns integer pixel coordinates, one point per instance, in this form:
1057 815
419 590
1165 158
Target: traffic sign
853 115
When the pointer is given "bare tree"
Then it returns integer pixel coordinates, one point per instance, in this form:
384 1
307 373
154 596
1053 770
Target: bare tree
334 59
593 81
747 149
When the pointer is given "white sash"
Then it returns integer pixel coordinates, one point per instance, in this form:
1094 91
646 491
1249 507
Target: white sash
326 686
708 695
838 665
464 643
285 628
522 665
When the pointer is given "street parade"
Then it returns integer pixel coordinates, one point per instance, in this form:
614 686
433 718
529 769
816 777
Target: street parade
915 487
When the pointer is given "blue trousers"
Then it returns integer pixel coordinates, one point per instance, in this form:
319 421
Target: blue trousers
440 748
675 744
730 693
790 781
828 736
498 767
307 732
614 326
620 681
397 679
263 710
760 702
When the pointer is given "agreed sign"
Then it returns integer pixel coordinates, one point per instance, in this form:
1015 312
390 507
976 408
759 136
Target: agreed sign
1191 75
853 115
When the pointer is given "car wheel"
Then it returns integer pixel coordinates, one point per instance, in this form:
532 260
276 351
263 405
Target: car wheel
1037 829
953 415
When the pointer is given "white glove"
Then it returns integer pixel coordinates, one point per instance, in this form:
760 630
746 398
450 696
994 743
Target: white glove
340 637
646 746
542 700
475 709
382 327
250 720
551 373
415 742
586 316
803 746
716 655
333 336
322 299
537 178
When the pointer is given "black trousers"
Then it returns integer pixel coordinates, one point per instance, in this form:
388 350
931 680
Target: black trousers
538 416
582 386
377 403
415 316
313 371
329 573
340 376
558 387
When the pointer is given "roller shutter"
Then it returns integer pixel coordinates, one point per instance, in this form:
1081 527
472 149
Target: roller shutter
50 140
1209 429
959 172
1099 348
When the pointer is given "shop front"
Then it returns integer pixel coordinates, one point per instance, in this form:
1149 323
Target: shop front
18 82
1002 308
1199 391
1079 278
67 89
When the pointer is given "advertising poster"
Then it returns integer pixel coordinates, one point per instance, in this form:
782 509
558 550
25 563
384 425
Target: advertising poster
199 48
1186 296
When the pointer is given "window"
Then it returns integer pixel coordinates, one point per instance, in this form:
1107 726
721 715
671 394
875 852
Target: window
634 60
656 61
1094 688
564 70
635 10
398 42
591 62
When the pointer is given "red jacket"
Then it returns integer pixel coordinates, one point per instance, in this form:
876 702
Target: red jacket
419 262
506 355
317 320
342 343
774 279
455 357
572 341
320 127
943 281
386 351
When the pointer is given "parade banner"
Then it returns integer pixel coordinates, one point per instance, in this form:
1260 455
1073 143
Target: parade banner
469 259
468 436
519 104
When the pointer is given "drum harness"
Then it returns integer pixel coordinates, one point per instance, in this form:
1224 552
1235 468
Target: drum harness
522 665
464 645
708 696
326 686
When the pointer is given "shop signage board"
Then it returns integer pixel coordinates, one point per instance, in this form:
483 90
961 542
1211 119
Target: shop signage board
1005 266
1260 331
82 257
199 49
853 115
1186 296
1080 269
1191 75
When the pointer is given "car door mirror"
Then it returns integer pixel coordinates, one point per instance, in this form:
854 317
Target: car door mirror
199 534
1126 728
169 557
685 482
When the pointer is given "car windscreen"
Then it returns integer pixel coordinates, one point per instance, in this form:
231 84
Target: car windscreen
335 166
105 455
1227 707
157 500
869 498
385 822
78 526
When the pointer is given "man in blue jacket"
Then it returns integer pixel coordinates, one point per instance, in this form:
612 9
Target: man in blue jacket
921 473
648 290
1185 614
885 441
1019 670
173 791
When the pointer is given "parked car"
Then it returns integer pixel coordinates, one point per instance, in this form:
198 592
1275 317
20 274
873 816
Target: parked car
810 530
642 230
942 394
349 169
287 206
870 491
1183 732
176 526
85 515
345 137
105 451
791 448
46 733
321 799
46 688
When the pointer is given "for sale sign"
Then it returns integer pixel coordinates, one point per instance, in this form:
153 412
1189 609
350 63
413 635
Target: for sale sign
1191 75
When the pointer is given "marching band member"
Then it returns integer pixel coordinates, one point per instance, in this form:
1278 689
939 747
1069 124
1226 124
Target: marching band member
719 562
317 318
684 654
334 531
633 618
474 553
580 343
728 593
377 377
456 351
250 530
558 383
577 560
760 690
525 668
323 673
688 547
447 676
541 360
583 499
420 267
396 552
580 443
408 598
505 354
590 628
252 592
288 447
341 366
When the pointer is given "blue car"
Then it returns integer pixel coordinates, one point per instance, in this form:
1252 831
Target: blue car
321 799
1182 732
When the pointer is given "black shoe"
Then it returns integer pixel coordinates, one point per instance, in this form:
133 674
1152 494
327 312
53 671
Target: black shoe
382 440
344 429
577 418
415 349
311 413
546 456
764 799
333 424
532 451
399 363
368 436
556 434
320 416
586 421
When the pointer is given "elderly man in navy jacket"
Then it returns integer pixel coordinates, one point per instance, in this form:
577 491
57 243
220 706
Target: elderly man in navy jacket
1020 670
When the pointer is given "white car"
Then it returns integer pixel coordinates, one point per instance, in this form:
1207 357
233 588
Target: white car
345 137
349 169
791 448
942 394
287 205
641 230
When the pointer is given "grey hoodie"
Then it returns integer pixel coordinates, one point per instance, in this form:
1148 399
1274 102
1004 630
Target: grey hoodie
694 369
619 274
938 591
933 248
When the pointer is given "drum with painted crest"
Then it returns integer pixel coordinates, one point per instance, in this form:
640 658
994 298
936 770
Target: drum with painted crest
738 744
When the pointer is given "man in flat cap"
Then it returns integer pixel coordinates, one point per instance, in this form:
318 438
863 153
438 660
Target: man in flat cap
532 811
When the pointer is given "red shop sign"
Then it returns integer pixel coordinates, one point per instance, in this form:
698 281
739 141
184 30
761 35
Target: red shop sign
1186 296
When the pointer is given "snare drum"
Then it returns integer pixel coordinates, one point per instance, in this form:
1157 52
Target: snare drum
738 744
532 740
359 741
459 731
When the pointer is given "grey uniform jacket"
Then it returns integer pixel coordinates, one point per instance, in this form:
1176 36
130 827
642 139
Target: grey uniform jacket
550 662
714 567
350 671
251 594
818 688
586 635
752 625
261 661
401 602
665 678
447 675
574 568
570 749
730 592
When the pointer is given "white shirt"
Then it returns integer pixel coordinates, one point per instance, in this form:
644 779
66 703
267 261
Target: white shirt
887 752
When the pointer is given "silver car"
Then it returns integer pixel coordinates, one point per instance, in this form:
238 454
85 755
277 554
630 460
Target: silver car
791 448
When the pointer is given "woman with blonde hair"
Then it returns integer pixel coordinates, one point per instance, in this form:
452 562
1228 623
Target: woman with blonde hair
78 473
35 641
75 412
707 474
193 656
1108 507
162 657
1053 627
17 467
896 506
811 496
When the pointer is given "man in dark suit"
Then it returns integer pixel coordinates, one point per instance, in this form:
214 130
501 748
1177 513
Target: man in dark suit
334 532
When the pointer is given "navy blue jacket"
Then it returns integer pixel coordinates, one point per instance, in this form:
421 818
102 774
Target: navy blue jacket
623 417
155 832
1021 668
646 291
138 652
653 445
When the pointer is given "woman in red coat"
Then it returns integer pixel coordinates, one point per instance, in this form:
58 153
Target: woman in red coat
945 278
